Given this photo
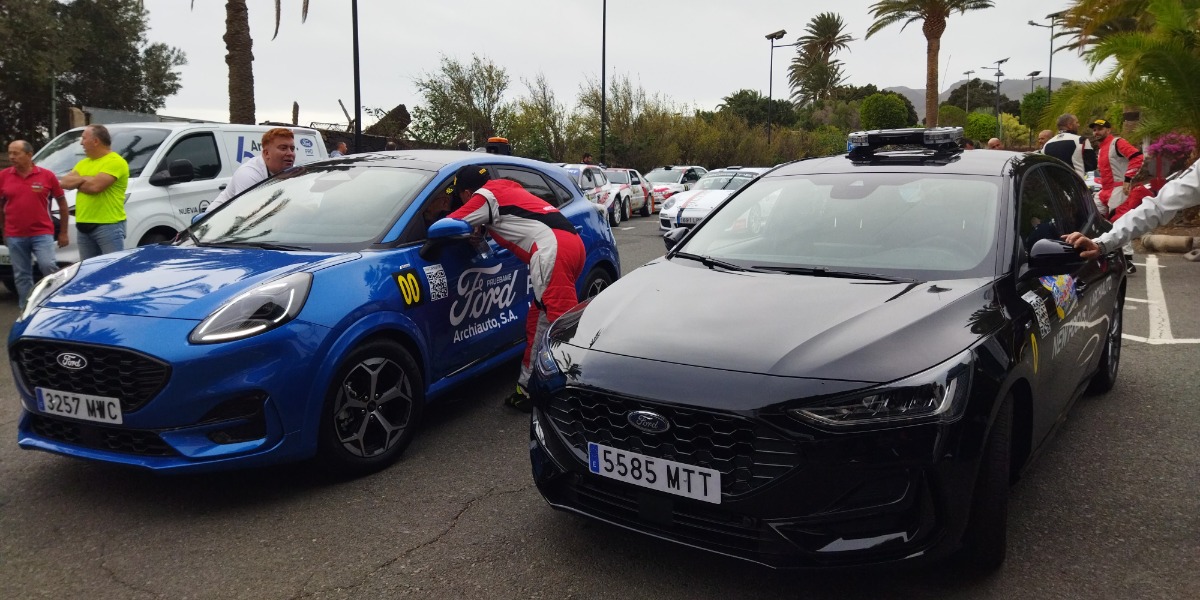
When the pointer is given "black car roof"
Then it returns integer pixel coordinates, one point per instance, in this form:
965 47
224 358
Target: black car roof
968 162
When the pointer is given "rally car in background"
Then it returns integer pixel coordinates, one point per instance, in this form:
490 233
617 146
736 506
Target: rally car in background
642 197
316 314
709 191
612 198
672 179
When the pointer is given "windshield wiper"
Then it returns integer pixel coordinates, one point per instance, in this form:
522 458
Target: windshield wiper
711 262
263 245
191 236
824 272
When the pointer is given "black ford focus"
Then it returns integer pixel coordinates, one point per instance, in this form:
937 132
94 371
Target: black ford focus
863 352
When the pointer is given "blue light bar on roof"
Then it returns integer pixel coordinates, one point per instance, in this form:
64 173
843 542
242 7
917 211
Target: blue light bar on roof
865 143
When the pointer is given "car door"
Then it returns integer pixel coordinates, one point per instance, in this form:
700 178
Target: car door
190 198
470 305
1051 302
637 190
1096 281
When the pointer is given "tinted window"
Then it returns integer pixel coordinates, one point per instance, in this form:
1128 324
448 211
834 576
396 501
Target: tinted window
1037 218
200 150
617 176
633 178
532 182
1070 196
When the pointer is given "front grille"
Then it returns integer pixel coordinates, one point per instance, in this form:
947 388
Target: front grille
748 454
128 376
127 441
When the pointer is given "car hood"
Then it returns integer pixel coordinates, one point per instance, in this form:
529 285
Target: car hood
785 325
705 200
178 282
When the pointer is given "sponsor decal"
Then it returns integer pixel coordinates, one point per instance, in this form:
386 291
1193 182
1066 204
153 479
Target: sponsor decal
485 298
1039 311
203 206
436 276
1086 319
1033 343
70 360
410 287
307 143
243 154
1062 289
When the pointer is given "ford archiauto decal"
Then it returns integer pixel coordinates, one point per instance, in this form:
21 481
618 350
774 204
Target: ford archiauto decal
648 422
72 361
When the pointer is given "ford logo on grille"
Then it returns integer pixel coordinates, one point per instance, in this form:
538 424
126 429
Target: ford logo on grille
72 361
648 421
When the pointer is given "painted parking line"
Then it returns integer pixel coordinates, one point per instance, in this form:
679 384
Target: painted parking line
627 228
1160 318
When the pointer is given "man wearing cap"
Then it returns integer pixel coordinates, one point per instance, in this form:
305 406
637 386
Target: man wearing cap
537 234
1114 155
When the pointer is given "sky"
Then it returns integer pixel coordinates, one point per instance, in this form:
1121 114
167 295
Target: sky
693 52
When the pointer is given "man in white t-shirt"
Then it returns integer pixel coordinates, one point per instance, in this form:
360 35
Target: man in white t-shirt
278 155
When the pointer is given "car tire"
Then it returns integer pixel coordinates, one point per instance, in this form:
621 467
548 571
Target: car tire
614 214
155 237
597 280
647 207
1110 360
985 541
356 440
626 210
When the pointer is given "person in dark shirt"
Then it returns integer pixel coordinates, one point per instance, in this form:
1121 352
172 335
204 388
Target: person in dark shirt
1070 147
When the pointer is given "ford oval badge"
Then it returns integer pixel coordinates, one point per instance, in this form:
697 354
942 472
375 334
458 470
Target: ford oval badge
648 422
72 361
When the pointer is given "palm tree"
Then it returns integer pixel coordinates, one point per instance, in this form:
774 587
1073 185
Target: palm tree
1089 22
240 57
814 74
933 15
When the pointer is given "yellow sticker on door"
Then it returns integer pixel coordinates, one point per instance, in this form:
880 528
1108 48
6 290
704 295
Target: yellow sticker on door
410 288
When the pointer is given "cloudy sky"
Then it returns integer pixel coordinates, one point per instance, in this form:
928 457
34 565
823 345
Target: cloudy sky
691 51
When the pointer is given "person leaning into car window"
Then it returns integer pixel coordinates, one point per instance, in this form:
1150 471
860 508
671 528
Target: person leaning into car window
278 155
536 233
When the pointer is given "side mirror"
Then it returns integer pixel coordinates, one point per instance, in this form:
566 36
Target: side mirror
442 232
672 237
179 171
1053 257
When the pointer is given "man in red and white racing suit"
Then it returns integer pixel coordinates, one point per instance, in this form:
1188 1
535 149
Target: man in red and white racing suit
536 233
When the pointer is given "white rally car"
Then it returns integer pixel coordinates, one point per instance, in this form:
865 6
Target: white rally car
688 208
670 180
613 199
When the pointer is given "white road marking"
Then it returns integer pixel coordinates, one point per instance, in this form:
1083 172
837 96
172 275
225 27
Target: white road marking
1160 320
1141 300
627 228
1159 342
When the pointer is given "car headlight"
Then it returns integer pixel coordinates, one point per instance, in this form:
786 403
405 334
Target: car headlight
261 309
937 394
543 359
46 288
669 204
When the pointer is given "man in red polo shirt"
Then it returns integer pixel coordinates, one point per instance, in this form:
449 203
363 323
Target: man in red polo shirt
25 192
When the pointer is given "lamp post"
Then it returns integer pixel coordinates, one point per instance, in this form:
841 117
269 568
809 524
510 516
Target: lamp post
771 37
357 86
603 87
1050 72
999 74
968 102
1032 77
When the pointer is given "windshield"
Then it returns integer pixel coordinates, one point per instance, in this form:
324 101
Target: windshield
618 176
724 181
135 144
664 176
336 207
915 225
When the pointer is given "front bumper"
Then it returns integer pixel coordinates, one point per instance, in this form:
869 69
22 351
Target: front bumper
185 407
800 499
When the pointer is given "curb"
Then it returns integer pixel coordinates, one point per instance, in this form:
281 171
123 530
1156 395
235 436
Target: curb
1169 243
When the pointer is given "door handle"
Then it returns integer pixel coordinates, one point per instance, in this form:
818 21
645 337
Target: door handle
221 188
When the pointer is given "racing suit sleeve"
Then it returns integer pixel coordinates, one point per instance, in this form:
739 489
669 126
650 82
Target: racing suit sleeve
481 209
1179 193
1131 152
1090 161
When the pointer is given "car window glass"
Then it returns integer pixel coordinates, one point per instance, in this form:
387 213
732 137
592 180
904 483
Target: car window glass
532 182
200 150
617 176
601 180
1069 195
1036 213
633 178
135 144
588 180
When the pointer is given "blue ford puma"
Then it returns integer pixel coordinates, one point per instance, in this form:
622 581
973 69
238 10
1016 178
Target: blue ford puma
316 314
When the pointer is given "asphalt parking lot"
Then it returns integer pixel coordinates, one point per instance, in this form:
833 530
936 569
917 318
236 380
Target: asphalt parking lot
1111 509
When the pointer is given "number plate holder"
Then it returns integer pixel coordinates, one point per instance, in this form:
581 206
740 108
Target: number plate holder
679 479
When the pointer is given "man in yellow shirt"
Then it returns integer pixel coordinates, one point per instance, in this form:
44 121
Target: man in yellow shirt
100 179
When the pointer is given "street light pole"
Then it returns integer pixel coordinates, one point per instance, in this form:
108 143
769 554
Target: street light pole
1032 78
771 37
999 74
968 102
1050 72
357 87
603 86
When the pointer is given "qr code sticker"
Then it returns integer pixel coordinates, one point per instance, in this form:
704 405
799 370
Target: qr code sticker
436 277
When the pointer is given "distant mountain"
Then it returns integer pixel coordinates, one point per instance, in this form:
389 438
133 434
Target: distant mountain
1015 89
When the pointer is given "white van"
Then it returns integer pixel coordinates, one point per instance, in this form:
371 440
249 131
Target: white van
161 200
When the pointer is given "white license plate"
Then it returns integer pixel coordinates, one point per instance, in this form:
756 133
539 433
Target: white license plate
689 220
659 474
80 406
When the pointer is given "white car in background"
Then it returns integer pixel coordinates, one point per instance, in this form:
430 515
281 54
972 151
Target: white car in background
670 180
642 199
688 208
611 198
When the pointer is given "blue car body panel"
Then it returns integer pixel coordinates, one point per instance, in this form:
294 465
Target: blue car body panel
460 314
